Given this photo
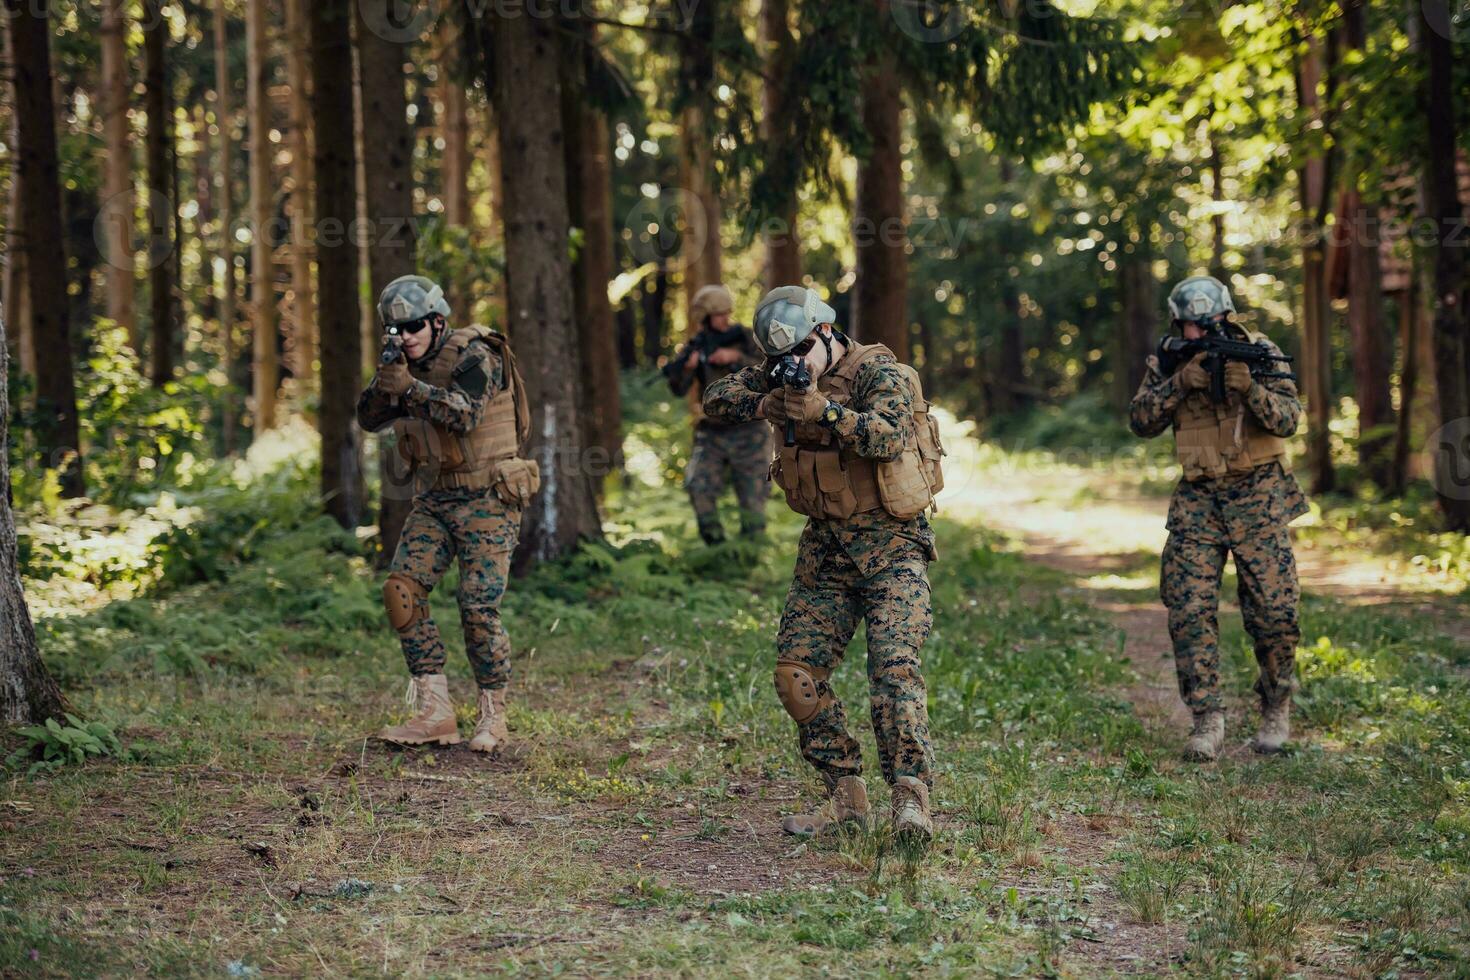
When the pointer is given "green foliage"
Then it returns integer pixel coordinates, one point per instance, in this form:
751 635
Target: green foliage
52 745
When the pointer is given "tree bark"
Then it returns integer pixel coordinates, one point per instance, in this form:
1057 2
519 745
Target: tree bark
117 170
652 300
225 121
1372 352
303 296
880 233
36 165
454 128
388 194
1443 205
15 298
1372 348
783 240
702 250
589 195
1409 327
266 361
162 246
27 691
1315 192
538 280
337 258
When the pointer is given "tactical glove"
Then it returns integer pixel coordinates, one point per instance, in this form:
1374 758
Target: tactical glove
805 406
1238 377
394 379
1193 375
773 406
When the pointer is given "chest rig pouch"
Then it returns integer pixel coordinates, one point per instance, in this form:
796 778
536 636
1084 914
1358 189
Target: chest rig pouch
823 480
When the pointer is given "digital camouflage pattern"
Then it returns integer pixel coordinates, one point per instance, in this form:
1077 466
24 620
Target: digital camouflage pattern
476 526
458 408
743 452
871 566
472 524
1243 514
829 594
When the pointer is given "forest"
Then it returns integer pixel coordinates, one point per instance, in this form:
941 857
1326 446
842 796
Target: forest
203 201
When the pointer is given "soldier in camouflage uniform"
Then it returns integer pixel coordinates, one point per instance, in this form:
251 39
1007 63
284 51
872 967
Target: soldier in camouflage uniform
743 450
863 468
456 405
1237 497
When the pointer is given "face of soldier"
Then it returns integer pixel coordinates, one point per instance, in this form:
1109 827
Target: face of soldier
718 322
816 358
416 344
1192 330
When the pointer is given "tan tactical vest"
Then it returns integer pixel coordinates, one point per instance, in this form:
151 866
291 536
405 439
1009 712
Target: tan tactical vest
1212 440
821 479
472 459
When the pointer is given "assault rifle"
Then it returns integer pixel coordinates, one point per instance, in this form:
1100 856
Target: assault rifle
392 345
1262 361
789 371
706 342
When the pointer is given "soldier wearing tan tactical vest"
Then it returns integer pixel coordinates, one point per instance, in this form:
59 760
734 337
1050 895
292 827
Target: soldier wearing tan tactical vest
1237 497
863 466
457 407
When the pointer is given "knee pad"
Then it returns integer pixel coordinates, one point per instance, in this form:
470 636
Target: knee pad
404 600
797 687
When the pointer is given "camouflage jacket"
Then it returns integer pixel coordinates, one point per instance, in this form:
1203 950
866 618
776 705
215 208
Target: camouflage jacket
873 425
1273 402
458 408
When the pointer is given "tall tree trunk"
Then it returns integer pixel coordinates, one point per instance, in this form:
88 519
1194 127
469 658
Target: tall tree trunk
160 191
1372 351
27 691
1372 348
15 299
303 297
589 196
388 194
1451 321
652 301
538 279
225 121
337 258
29 53
454 129
1314 187
117 170
266 362
880 232
1217 218
702 249
783 240
1139 298
1409 326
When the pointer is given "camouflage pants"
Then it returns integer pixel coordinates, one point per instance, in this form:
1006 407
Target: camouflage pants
482 531
742 451
827 598
1206 524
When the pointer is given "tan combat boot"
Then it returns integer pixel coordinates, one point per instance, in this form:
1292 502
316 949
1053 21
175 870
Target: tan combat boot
911 817
847 805
1275 728
1207 737
490 731
435 721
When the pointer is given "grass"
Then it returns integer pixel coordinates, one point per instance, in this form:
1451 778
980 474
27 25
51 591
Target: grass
248 826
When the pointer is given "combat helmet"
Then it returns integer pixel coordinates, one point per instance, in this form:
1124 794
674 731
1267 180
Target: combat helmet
710 300
1204 300
410 298
787 315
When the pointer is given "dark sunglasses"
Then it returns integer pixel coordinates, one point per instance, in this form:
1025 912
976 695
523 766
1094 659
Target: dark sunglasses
413 326
801 349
